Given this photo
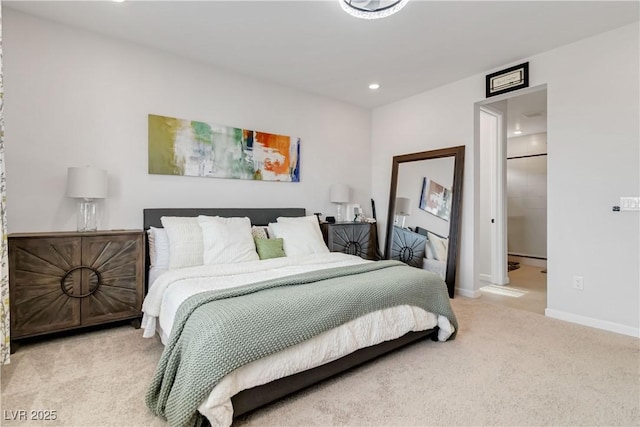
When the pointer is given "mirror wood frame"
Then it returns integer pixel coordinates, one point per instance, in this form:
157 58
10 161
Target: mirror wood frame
454 225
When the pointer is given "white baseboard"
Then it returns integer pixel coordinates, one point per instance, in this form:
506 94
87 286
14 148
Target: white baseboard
503 281
488 279
485 278
467 293
594 323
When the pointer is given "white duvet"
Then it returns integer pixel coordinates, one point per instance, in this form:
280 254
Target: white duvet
170 289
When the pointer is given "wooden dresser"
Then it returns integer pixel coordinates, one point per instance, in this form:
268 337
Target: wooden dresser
354 238
67 280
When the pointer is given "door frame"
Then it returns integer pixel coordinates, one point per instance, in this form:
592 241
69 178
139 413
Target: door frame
499 231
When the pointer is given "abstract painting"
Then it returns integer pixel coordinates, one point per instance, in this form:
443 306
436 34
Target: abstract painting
435 199
191 148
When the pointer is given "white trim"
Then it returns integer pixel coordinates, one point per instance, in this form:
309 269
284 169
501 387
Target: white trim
498 198
475 243
594 323
509 95
468 293
476 174
485 277
500 273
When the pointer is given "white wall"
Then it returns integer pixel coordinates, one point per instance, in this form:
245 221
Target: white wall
593 135
74 98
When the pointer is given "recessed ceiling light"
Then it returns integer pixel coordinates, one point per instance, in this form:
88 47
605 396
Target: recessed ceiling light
517 132
118 1
374 86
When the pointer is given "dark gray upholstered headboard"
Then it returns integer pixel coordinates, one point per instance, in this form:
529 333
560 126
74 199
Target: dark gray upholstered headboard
258 216
424 231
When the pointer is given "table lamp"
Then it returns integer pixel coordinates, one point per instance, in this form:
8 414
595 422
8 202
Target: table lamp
403 209
87 183
339 195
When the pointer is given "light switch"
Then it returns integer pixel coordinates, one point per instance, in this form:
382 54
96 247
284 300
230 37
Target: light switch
630 203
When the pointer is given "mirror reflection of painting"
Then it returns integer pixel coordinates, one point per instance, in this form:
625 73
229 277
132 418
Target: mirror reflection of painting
435 199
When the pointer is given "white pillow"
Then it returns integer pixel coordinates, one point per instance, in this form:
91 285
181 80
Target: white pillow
158 247
309 219
185 241
227 240
428 252
152 246
439 245
259 232
300 238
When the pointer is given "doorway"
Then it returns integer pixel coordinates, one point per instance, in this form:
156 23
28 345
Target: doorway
512 201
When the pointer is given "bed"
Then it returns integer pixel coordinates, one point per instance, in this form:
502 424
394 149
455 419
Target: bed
244 396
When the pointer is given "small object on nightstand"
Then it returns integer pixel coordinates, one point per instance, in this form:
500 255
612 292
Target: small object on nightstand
330 220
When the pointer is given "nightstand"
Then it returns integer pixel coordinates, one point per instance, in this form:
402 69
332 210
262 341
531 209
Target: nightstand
68 280
408 246
353 238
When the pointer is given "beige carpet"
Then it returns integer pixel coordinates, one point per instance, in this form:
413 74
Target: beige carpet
527 290
507 367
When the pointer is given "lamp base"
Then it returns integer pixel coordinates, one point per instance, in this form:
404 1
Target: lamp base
87 218
339 213
399 221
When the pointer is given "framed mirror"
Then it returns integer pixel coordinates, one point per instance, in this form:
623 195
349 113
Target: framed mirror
423 223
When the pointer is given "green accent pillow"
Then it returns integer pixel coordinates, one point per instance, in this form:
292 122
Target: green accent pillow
270 248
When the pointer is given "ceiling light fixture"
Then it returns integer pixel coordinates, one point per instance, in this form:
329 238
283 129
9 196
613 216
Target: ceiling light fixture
374 86
372 9
517 132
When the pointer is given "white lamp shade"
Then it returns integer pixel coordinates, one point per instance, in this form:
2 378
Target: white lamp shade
339 193
86 182
403 206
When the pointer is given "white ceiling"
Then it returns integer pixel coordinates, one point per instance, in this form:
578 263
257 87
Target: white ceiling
528 113
316 47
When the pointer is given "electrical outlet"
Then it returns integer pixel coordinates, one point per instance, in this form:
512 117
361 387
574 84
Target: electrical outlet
630 203
578 283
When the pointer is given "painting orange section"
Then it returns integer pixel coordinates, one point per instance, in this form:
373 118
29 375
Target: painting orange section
279 143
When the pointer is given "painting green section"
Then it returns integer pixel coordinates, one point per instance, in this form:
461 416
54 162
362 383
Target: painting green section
162 136
243 168
202 132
